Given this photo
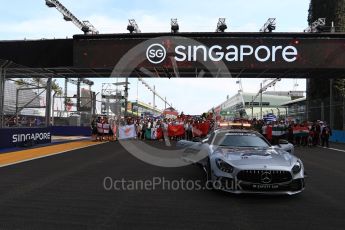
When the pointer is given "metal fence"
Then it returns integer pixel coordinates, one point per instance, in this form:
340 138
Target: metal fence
324 109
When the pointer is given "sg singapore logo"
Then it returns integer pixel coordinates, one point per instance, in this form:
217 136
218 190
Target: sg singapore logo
156 53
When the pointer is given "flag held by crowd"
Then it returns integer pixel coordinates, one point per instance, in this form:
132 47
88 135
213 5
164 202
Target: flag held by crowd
300 131
153 134
201 129
127 132
270 117
176 130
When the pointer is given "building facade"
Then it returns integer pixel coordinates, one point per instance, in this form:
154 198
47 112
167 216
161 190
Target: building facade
242 105
296 110
139 108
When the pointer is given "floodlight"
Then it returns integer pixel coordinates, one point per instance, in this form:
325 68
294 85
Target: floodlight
269 26
174 25
221 25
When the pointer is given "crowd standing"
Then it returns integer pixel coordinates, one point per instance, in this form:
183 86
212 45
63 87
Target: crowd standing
189 127
103 129
149 128
300 134
23 121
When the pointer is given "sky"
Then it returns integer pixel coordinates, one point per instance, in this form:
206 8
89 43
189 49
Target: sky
32 19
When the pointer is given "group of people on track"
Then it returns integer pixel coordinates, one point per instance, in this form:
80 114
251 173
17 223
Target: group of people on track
300 134
188 127
181 127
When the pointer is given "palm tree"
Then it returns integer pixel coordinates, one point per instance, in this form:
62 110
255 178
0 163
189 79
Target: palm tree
21 82
56 88
37 81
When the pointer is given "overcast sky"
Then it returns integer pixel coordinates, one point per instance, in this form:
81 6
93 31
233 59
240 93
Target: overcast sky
31 19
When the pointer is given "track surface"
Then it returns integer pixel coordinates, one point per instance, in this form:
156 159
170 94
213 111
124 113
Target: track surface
66 192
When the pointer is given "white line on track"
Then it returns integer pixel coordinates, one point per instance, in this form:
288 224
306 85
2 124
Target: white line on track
339 150
53 154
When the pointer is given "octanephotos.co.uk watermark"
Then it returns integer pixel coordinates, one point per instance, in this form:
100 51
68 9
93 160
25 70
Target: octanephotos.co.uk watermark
162 183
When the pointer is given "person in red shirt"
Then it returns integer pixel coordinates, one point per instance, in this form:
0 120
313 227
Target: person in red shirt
269 133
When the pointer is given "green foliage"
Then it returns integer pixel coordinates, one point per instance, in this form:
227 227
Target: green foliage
56 88
339 84
37 81
21 82
40 83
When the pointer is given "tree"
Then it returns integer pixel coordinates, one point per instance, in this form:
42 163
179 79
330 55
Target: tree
21 82
40 83
56 88
37 81
319 89
339 84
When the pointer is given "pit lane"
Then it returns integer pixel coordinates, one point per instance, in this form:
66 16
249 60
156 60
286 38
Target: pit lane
66 192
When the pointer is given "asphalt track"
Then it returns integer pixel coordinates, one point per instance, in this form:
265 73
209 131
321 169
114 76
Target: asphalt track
66 192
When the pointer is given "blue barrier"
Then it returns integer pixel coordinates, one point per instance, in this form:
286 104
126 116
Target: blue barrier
14 137
71 130
338 136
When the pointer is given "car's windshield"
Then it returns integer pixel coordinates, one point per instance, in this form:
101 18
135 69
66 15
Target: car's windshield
239 140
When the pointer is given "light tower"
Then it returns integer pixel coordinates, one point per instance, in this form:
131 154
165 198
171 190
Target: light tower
133 26
84 26
317 26
174 25
221 25
269 26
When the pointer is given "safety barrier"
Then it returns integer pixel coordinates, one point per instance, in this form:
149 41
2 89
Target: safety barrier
338 136
14 137
71 130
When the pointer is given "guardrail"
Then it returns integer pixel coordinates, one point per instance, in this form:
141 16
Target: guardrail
26 137
15 137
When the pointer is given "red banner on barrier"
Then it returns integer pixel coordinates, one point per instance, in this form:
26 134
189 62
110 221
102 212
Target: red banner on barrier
175 130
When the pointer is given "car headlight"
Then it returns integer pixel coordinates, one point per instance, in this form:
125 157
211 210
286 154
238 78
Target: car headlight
297 167
223 166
